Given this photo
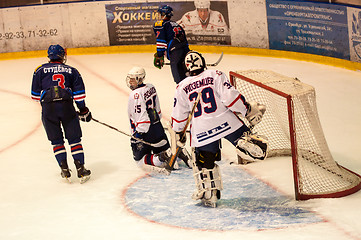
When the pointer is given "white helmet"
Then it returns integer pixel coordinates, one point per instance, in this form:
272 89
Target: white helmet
194 63
137 74
202 4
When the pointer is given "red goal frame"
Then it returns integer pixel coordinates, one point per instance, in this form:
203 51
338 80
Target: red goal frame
293 143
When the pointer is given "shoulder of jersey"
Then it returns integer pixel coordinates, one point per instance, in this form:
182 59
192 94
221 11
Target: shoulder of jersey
149 85
158 23
184 82
36 69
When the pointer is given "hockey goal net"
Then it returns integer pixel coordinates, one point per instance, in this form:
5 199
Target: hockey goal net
293 128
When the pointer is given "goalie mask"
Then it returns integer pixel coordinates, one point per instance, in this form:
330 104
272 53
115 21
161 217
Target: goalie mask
194 63
135 77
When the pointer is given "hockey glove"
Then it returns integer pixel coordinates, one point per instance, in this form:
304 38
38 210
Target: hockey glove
135 143
180 139
84 114
255 112
158 61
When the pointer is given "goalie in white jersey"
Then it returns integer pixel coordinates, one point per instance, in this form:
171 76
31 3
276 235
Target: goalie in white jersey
144 115
214 118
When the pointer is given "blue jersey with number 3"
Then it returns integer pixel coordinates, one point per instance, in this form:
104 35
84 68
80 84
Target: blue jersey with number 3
53 74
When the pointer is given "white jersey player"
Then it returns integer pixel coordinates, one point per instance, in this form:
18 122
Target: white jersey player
214 118
144 114
203 20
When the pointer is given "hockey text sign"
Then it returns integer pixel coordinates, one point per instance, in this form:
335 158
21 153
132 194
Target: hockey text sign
131 24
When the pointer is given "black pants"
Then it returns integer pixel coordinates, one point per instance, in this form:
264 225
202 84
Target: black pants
176 58
213 148
154 135
58 114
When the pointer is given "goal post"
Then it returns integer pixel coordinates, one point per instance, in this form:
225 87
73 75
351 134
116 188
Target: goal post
293 128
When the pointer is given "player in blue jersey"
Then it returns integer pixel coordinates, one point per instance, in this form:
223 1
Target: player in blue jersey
172 42
56 86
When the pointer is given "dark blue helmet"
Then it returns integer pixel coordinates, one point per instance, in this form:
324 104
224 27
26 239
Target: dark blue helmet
56 52
166 10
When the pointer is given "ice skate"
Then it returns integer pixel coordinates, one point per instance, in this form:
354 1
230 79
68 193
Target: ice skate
211 201
65 171
83 173
165 157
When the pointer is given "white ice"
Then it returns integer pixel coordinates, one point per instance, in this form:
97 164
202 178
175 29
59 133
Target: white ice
36 203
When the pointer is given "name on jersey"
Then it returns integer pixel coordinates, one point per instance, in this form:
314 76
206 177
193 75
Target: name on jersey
149 93
213 132
57 69
198 84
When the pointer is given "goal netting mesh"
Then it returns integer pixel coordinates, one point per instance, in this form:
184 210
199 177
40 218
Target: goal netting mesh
293 128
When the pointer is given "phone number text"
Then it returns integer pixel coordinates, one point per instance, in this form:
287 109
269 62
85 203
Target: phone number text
28 34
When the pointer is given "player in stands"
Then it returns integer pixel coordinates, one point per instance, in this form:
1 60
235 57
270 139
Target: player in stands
56 85
144 113
214 118
203 20
172 42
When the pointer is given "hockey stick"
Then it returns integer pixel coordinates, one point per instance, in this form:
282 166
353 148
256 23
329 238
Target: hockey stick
161 143
216 63
208 64
171 162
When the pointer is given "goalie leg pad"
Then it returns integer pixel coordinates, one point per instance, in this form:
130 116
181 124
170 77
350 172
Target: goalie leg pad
252 147
208 183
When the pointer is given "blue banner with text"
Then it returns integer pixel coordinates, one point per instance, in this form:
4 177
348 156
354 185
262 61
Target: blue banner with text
308 27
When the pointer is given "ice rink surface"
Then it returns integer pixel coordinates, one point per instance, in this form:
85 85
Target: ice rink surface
120 201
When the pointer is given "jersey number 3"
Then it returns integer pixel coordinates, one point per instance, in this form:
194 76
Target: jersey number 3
60 79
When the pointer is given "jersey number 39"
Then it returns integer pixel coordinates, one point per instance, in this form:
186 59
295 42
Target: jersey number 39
208 100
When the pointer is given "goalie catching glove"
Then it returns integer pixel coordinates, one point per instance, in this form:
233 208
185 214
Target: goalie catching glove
255 112
84 114
252 147
158 61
